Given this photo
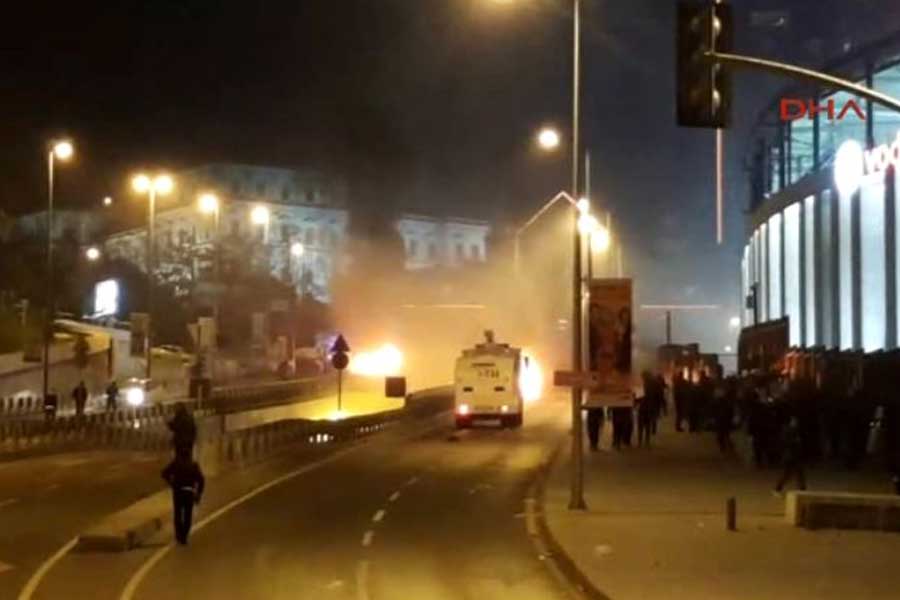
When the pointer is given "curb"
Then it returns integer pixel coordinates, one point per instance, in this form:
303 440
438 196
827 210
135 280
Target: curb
550 551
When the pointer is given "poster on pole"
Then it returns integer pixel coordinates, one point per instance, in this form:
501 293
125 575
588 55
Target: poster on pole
140 325
609 334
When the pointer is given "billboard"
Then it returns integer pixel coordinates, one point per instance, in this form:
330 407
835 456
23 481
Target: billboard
106 298
609 335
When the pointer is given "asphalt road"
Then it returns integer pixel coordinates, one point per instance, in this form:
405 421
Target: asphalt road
436 515
46 501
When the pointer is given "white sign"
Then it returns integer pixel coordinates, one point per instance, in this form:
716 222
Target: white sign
106 298
852 163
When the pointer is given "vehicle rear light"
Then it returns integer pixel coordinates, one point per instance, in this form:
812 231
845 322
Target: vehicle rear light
462 409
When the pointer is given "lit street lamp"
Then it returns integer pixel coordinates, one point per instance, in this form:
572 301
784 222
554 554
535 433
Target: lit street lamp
59 150
734 322
548 138
92 253
107 201
161 184
260 216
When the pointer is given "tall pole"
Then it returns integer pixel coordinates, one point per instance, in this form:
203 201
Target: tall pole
49 309
151 217
576 499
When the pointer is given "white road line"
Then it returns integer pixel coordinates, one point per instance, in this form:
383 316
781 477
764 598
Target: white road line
377 517
135 581
367 538
394 496
412 481
8 501
33 582
4 567
362 580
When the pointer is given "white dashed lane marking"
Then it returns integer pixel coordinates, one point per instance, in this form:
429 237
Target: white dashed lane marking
377 517
394 496
412 481
367 538
8 501
4 567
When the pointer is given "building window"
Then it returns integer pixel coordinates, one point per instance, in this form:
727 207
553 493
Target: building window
475 251
792 272
413 248
460 252
285 194
310 196
873 266
236 228
432 251
809 225
260 188
285 233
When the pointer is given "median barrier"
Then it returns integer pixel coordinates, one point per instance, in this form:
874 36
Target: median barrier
843 510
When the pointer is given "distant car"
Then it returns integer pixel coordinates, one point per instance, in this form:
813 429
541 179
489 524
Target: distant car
140 392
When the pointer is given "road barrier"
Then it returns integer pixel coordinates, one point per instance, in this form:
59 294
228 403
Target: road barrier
843 510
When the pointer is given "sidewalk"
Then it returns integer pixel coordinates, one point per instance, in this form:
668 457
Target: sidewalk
655 528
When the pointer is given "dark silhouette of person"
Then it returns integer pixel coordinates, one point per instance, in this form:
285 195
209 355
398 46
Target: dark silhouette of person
80 395
186 479
679 396
793 458
112 396
184 430
595 419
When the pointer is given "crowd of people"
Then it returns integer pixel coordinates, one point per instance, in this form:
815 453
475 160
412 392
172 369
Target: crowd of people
792 419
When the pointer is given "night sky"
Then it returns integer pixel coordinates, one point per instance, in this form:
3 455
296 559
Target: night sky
437 100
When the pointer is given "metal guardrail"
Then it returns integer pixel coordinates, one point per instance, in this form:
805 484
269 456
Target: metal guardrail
144 429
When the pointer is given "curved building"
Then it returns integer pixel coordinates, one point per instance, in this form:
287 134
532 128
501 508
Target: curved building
822 247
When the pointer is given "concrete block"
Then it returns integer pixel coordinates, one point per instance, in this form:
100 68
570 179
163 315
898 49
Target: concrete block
843 510
128 528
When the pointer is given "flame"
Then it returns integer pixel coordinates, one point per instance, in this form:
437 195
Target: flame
531 379
386 360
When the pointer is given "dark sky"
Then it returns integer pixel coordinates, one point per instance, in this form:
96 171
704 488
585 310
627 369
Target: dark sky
437 99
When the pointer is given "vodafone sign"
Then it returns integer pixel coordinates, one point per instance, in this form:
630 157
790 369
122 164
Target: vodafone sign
852 163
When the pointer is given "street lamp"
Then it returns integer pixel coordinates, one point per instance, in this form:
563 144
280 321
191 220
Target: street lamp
548 138
734 322
161 184
576 498
92 253
58 150
297 249
107 201
260 216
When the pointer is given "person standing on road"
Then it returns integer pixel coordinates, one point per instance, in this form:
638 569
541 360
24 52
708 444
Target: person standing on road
793 458
186 479
184 430
112 396
80 395
679 389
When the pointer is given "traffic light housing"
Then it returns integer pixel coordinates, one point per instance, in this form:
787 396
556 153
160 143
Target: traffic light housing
703 87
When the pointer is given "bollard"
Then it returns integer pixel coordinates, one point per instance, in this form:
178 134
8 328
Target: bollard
731 514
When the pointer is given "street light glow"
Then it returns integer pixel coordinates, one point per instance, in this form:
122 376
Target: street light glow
107 201
735 322
92 253
209 203
587 224
63 150
163 184
297 249
548 138
259 215
600 239
583 205
140 183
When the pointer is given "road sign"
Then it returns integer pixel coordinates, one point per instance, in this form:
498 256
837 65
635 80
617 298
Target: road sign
340 345
339 361
587 379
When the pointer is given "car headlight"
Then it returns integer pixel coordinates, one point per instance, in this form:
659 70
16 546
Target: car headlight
134 396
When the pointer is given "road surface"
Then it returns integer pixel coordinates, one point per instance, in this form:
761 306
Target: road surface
437 515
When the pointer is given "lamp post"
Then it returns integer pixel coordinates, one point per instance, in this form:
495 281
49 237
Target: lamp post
161 184
296 251
59 150
576 497
260 216
209 204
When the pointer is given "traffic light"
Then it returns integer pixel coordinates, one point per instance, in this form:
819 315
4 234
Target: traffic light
703 87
